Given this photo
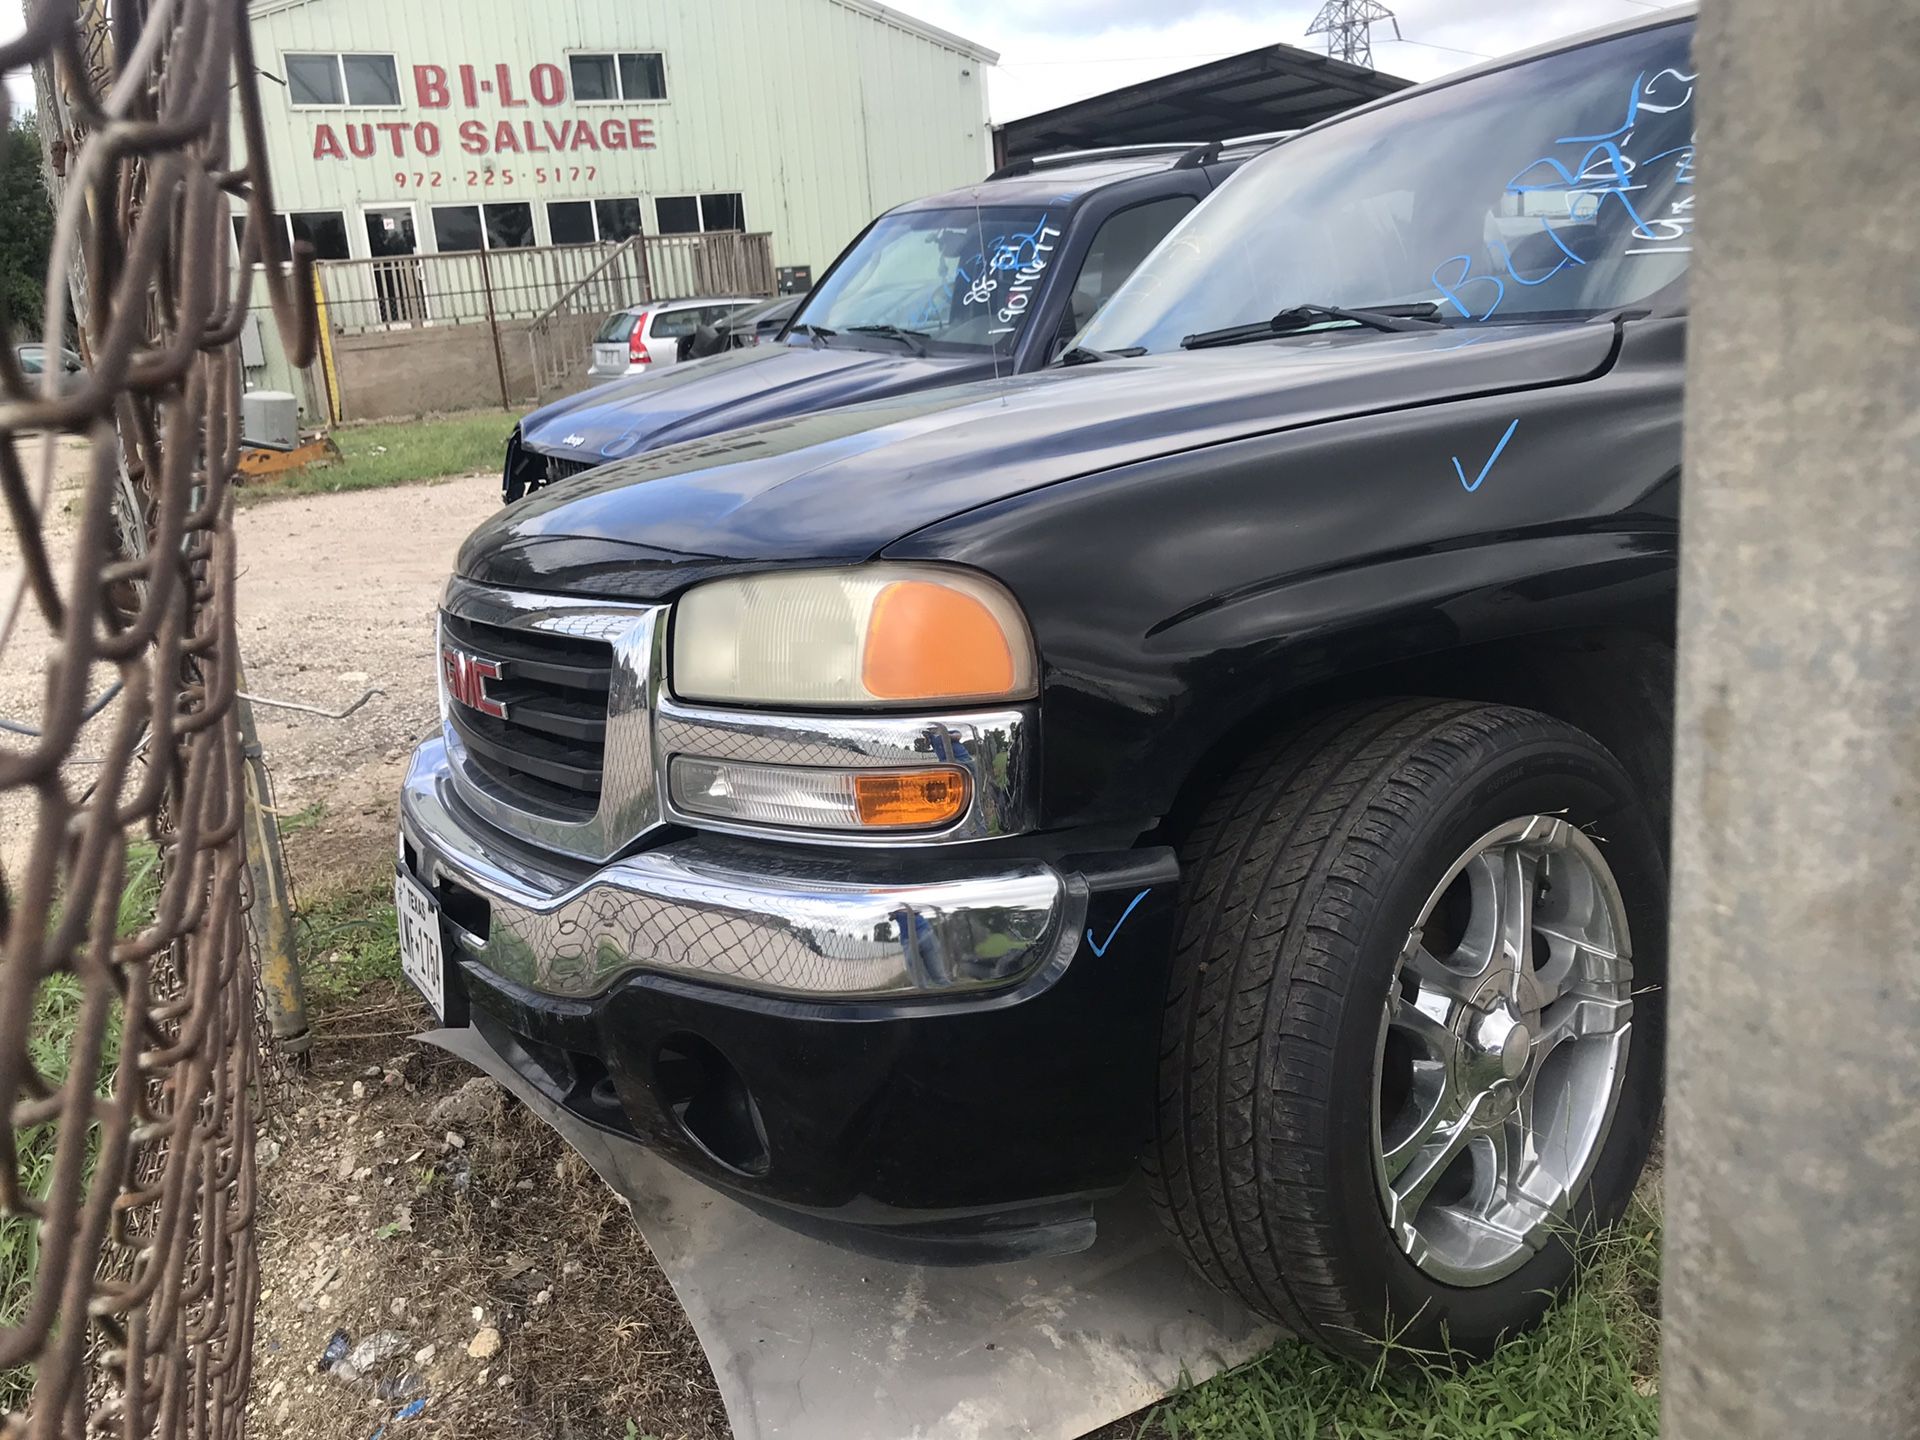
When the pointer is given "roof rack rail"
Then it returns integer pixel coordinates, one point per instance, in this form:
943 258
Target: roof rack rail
1031 163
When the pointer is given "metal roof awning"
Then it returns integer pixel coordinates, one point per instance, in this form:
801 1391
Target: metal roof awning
1278 87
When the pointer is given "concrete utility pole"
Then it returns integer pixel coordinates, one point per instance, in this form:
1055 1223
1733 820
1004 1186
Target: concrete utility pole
1793 1188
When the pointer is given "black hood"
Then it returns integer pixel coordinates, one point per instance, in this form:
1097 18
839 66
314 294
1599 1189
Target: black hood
726 392
840 486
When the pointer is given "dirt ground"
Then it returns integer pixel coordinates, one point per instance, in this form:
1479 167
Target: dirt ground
468 1258
337 596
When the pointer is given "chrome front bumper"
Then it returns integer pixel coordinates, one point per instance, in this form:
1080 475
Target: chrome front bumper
785 922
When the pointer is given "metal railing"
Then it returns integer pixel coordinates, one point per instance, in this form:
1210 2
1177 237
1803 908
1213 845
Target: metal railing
127 1003
478 287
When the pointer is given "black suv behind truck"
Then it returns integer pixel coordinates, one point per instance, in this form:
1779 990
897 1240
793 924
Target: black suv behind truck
1241 759
994 279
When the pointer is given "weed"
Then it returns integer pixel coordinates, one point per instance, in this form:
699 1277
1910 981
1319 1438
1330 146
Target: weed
349 943
400 453
57 1011
1588 1373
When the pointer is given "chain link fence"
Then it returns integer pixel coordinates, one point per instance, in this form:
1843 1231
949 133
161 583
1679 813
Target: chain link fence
127 1003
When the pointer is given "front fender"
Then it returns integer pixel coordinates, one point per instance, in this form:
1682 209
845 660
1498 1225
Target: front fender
1175 598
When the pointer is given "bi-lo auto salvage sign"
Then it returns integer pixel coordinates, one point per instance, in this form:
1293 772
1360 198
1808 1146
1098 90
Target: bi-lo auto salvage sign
436 88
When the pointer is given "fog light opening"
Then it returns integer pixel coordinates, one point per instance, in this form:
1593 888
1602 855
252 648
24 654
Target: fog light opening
712 1103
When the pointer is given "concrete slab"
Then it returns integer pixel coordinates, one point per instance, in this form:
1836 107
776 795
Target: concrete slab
810 1342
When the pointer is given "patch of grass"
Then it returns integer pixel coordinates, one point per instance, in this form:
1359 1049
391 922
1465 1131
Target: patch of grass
349 943
1589 1373
57 1011
397 453
293 822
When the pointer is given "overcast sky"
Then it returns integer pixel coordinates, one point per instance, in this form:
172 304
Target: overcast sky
1062 50
1065 50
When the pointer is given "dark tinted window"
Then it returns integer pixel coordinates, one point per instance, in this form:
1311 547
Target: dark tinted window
619 219
509 227
593 77
456 227
371 80
314 80
390 232
325 230
1117 250
643 77
677 215
722 212
570 222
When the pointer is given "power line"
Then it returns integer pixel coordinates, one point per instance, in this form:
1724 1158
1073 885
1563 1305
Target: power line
1429 45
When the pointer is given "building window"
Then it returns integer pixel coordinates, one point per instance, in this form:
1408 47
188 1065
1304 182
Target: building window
722 212
583 222
483 227
367 81
325 230
690 214
619 219
623 76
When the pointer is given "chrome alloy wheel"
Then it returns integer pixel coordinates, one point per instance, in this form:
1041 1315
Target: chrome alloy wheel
1502 1050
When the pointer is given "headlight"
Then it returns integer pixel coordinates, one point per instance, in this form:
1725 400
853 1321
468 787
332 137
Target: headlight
879 635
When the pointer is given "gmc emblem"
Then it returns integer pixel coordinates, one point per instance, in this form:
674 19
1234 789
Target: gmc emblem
467 677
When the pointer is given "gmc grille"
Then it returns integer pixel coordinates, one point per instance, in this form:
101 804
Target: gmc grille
549 751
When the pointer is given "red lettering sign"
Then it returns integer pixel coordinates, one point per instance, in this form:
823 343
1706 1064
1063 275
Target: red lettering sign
433 90
430 87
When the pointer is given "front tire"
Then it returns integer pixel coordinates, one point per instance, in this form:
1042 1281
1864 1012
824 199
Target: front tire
1413 1037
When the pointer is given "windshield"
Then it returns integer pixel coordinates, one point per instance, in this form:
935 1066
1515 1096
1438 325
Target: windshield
1559 186
965 278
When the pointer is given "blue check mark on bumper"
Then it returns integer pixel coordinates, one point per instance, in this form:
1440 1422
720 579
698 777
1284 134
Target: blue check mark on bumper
1099 947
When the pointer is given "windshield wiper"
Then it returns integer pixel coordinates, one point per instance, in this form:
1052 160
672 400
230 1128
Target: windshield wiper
914 340
1087 355
820 333
1417 316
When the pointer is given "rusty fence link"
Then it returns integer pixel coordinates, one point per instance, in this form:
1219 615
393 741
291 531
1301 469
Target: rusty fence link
127 1002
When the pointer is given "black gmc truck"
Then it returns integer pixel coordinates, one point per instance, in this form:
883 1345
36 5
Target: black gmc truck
1237 753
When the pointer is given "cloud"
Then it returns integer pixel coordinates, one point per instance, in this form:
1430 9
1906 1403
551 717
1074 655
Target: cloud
1055 54
1101 17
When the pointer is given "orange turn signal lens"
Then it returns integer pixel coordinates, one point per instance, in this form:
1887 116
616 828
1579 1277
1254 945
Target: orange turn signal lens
916 798
929 641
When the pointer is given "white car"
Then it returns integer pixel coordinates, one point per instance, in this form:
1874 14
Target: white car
645 338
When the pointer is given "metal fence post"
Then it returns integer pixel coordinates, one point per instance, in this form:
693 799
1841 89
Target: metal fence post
493 328
273 928
1792 1297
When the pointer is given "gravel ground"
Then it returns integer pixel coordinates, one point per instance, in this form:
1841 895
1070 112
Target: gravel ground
337 595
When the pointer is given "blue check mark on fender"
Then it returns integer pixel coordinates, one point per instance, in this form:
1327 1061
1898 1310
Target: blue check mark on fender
1487 468
1099 947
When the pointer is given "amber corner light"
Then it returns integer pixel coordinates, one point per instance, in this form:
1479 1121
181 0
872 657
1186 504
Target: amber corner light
930 641
916 799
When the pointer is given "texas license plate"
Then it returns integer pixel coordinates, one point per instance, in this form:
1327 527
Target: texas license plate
421 960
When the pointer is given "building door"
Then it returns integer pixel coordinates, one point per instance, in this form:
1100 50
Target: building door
393 246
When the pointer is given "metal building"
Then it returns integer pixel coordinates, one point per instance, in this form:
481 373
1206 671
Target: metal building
402 127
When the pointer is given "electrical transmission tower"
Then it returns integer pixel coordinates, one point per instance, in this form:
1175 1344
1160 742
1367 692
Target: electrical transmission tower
1348 26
